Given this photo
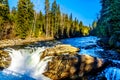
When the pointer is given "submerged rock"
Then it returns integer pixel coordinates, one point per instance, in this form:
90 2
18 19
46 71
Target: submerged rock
5 60
59 50
71 65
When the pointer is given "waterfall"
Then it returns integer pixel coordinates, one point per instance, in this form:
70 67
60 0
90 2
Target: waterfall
27 62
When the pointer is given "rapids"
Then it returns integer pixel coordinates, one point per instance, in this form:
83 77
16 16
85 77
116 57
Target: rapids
26 64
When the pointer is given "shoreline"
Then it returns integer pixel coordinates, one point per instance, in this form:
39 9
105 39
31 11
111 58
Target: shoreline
17 42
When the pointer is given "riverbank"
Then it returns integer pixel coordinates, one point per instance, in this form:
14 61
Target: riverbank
15 42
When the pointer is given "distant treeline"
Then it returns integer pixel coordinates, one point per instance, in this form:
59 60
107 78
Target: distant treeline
24 21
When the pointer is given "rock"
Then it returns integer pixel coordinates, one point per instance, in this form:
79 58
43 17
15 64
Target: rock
118 50
60 49
103 42
5 60
72 66
117 45
112 40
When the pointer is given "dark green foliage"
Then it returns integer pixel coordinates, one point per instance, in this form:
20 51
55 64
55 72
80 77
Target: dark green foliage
40 27
5 25
25 16
109 19
4 9
108 25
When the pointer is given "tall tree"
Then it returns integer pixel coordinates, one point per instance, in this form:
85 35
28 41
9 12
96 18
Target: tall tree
25 18
47 10
103 22
39 25
4 19
54 14
58 20
109 18
4 9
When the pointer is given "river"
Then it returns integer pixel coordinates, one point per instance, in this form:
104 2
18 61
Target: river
25 63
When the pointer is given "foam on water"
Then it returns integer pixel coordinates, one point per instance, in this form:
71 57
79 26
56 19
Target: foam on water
27 62
112 73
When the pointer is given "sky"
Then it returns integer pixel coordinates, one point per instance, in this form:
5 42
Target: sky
84 10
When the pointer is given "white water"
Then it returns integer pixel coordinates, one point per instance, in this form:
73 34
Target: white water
84 42
26 64
112 73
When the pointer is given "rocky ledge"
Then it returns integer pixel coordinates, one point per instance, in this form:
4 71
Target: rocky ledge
60 50
66 63
5 60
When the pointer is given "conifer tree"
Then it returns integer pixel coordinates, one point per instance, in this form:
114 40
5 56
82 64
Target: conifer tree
25 18
4 18
39 25
47 10
54 14
109 18
58 17
4 9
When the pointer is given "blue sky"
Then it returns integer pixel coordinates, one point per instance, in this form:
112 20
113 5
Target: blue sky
85 10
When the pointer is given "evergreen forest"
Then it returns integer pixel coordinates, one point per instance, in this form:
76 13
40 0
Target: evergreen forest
25 22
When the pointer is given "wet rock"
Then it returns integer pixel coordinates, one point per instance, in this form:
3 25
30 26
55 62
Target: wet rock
5 60
117 45
118 50
72 66
59 50
103 42
114 40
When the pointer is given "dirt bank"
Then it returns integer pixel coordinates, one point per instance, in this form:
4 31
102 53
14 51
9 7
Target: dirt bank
13 42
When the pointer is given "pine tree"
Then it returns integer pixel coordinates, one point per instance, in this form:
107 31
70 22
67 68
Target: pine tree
58 20
71 24
47 10
25 18
4 9
39 31
54 14
66 29
13 15
109 18
4 19
114 18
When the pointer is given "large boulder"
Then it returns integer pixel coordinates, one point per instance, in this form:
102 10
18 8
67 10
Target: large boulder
72 67
59 50
66 63
5 60
104 42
